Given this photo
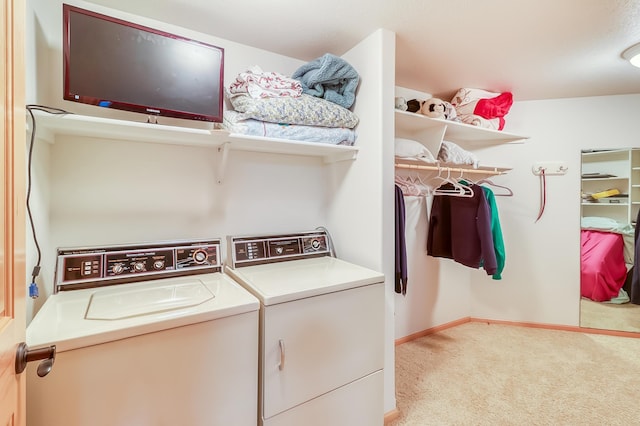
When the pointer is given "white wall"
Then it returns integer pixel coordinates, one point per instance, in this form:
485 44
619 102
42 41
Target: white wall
91 191
361 208
44 26
438 289
106 191
98 191
540 282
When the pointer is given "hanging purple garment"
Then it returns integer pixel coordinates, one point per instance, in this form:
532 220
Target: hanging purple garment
401 248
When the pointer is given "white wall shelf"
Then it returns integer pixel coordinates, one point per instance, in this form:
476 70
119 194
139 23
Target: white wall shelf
603 154
604 179
432 131
608 205
49 127
453 131
621 168
329 152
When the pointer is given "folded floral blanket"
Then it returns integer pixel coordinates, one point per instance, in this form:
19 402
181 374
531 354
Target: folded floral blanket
234 122
331 78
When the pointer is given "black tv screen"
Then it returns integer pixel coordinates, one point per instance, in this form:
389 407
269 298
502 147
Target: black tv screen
113 63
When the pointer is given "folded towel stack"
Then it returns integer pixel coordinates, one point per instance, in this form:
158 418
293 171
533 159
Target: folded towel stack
314 107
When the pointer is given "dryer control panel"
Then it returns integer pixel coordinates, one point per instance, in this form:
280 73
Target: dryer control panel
256 250
84 267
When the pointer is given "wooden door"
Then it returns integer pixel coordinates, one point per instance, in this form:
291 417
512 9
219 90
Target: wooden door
12 210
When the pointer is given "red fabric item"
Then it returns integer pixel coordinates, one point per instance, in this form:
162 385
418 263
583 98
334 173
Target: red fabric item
496 107
602 268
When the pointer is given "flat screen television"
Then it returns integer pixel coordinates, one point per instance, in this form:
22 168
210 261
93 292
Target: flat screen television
113 63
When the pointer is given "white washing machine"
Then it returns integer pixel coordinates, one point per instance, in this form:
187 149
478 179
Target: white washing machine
145 335
321 330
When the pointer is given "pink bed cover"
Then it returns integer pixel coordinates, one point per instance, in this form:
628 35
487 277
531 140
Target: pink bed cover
602 268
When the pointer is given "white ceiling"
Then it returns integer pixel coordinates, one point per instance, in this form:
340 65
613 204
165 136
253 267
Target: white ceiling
537 49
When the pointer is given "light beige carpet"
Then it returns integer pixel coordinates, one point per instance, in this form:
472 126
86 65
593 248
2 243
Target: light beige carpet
482 374
609 316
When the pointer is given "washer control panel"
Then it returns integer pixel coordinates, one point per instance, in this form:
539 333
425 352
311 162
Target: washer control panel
255 250
96 266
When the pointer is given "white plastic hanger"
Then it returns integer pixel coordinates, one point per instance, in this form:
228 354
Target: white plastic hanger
466 184
456 190
509 192
425 188
407 186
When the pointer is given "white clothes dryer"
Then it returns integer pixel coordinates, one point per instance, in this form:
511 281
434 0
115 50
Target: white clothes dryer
145 335
321 330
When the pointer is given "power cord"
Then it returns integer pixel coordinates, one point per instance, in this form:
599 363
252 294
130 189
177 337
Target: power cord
33 287
332 249
543 193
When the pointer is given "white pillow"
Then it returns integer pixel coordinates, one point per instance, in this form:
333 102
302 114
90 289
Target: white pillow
454 154
408 148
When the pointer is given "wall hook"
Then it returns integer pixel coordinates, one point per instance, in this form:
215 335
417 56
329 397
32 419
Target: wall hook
550 168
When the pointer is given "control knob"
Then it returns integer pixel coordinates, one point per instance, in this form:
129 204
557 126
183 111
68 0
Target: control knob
138 267
200 256
117 268
158 264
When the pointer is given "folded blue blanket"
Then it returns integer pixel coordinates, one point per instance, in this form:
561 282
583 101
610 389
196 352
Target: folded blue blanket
329 77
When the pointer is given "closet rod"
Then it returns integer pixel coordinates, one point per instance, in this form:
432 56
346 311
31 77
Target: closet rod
493 171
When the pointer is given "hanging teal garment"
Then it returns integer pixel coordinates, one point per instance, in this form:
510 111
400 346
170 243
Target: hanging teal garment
496 231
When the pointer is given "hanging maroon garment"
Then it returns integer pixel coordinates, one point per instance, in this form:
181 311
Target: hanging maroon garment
460 229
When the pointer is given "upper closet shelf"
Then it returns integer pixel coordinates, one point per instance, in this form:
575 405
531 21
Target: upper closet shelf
48 127
410 123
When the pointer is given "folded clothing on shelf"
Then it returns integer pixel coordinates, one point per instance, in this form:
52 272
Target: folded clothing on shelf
606 193
482 108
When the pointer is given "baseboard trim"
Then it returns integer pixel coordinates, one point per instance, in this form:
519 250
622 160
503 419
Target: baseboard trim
559 327
431 330
391 416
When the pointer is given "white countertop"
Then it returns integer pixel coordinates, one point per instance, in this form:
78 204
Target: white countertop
78 318
291 280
